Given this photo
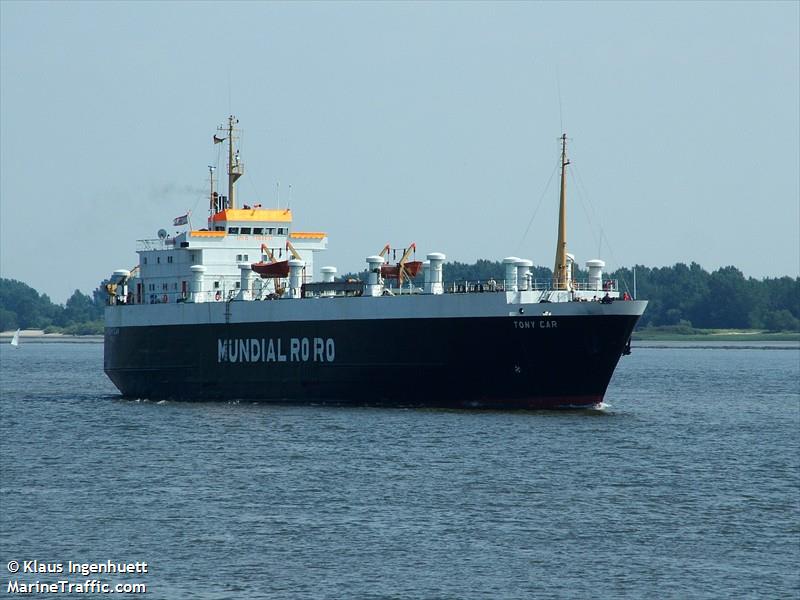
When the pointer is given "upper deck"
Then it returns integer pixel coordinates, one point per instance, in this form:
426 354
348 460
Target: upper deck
216 263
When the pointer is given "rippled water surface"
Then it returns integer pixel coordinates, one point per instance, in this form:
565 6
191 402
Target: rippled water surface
685 485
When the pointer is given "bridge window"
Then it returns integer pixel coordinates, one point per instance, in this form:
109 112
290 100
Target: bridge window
245 231
233 230
281 230
270 230
219 228
258 230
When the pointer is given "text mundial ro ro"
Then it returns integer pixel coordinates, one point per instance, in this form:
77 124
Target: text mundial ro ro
36 566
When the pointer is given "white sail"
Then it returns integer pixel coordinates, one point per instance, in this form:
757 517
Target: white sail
15 339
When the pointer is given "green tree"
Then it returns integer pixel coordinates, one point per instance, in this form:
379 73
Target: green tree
99 299
31 310
781 320
731 299
8 320
79 309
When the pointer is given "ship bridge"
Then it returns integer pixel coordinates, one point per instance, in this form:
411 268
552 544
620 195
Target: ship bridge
252 221
168 265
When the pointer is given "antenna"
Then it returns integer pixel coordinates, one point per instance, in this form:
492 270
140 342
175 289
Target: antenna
230 109
162 234
211 169
560 111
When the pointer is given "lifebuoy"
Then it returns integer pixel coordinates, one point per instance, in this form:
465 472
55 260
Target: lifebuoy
217 296
165 299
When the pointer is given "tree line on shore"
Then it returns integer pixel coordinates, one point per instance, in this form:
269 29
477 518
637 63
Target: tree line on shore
681 298
23 307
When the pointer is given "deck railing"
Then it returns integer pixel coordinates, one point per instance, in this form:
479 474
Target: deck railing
156 244
464 286
450 287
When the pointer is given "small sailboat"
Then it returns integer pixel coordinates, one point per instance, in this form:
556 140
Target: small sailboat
15 339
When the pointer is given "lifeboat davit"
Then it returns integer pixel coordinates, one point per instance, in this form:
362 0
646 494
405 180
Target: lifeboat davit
267 270
412 268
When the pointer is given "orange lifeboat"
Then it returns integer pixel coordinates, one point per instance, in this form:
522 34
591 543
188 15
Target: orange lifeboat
411 269
267 270
275 269
403 270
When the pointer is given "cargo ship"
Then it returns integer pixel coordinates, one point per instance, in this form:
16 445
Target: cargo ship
238 310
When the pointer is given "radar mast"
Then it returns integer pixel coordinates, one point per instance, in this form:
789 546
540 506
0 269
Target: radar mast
235 166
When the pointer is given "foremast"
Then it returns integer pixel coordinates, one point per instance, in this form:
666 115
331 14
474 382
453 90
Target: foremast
561 270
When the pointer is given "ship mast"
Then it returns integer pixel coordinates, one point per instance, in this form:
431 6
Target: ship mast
560 279
235 167
212 205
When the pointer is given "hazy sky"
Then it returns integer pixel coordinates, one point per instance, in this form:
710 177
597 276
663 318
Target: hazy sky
427 122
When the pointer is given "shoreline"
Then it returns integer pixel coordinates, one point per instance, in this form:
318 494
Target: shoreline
38 336
714 336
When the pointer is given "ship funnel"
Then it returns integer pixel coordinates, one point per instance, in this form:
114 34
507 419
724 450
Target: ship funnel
328 275
374 279
524 273
511 273
120 277
434 283
245 281
296 277
595 273
198 275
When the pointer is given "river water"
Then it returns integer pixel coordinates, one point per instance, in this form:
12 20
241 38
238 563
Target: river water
684 486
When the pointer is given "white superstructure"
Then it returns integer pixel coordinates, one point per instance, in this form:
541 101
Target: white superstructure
250 253
235 236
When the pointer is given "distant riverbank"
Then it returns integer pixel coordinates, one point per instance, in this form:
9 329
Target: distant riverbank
27 336
715 335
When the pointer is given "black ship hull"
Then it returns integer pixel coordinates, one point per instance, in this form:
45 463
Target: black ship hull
490 362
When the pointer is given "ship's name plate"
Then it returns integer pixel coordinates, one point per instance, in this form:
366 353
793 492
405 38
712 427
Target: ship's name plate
253 350
540 324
